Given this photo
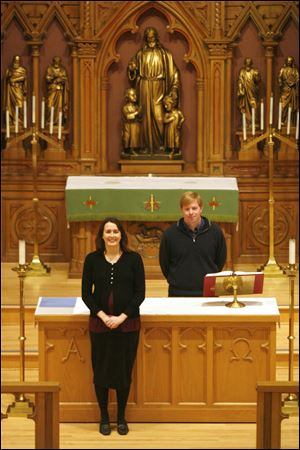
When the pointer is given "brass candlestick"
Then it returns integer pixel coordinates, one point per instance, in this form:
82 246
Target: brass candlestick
291 402
271 268
37 266
22 406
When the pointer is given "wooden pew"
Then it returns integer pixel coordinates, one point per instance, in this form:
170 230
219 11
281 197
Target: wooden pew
269 411
46 410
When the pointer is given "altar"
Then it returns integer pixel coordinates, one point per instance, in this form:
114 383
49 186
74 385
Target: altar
197 360
146 205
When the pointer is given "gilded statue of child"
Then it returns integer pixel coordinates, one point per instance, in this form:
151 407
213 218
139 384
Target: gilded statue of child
173 120
131 115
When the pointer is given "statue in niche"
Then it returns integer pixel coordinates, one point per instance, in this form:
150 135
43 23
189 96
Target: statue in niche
173 120
288 79
248 89
57 91
153 73
15 89
131 116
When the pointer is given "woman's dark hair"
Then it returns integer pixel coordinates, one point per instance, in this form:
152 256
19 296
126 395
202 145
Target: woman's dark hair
100 245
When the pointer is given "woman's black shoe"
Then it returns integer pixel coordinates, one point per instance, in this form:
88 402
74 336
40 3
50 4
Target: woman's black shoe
104 428
122 428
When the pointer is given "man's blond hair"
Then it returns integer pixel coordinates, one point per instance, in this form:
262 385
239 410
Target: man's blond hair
189 197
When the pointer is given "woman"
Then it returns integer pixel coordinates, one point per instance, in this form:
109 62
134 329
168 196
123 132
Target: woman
113 287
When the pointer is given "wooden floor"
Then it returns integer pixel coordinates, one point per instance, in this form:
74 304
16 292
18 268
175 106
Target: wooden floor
19 433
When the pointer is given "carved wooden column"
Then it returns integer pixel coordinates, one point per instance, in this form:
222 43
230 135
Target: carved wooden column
87 52
104 85
228 103
216 110
269 53
217 48
76 117
35 53
87 93
201 147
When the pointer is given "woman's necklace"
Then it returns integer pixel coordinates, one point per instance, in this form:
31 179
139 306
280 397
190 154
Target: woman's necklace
112 259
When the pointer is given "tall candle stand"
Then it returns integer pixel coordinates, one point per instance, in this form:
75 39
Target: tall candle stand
271 267
37 266
291 402
22 406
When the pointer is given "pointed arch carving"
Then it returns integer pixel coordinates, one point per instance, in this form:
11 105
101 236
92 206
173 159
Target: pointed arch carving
128 23
32 30
249 12
177 21
56 11
15 12
290 12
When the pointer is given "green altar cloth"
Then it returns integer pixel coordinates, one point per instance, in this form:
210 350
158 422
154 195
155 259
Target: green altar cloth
151 198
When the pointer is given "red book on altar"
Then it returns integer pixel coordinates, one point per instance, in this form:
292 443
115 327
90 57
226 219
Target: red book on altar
215 284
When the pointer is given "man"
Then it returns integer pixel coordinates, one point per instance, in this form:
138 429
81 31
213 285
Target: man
190 249
153 73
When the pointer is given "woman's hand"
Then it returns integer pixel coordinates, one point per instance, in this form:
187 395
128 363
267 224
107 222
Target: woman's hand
113 322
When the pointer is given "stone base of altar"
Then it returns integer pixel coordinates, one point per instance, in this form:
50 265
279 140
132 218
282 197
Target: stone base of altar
155 166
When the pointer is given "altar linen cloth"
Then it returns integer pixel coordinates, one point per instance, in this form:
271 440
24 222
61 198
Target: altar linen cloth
151 198
210 308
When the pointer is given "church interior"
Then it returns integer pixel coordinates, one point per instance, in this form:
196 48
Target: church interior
79 143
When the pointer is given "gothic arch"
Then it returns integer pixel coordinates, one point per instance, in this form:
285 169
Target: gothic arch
177 21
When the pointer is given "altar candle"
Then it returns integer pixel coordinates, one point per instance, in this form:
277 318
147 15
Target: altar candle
22 252
292 251
279 115
261 115
33 108
7 123
17 120
271 109
253 120
288 128
25 113
59 124
297 126
51 119
43 114
244 127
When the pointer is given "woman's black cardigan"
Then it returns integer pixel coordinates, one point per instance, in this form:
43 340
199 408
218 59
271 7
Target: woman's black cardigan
126 279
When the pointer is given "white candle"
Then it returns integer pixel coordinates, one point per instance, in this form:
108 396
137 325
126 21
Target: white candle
25 113
292 251
22 252
33 108
59 124
7 124
244 127
261 115
279 115
43 114
51 119
297 126
288 128
271 110
17 120
253 120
